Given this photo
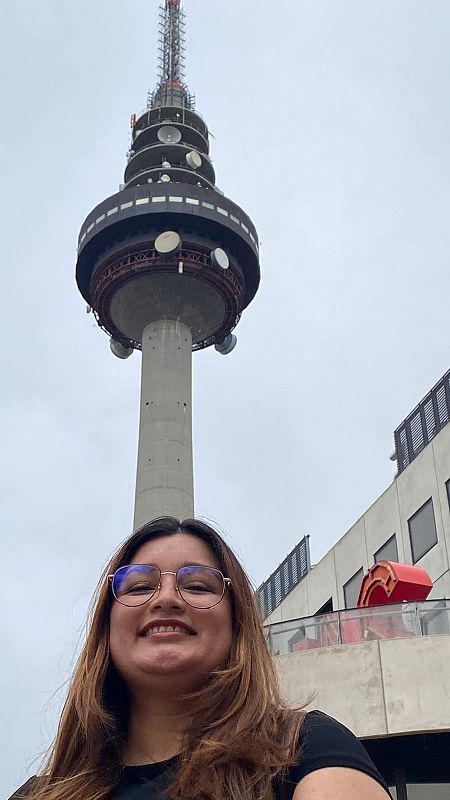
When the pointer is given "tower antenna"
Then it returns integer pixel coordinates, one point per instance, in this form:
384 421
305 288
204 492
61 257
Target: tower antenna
171 88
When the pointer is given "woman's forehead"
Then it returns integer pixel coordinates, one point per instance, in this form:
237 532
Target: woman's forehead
172 552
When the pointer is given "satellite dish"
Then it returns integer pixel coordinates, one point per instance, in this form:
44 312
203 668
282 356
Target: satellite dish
165 178
168 134
167 243
194 160
219 258
227 345
119 349
149 180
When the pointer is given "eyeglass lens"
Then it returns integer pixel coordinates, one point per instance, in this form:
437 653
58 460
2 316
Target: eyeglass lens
199 586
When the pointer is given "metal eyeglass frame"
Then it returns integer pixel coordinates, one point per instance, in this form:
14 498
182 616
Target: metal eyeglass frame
226 585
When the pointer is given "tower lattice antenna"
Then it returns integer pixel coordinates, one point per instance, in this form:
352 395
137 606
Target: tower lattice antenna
171 88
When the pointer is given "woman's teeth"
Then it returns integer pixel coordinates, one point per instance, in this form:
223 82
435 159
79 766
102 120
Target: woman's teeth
166 629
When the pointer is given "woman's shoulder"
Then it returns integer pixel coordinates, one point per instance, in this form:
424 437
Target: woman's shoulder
325 742
324 735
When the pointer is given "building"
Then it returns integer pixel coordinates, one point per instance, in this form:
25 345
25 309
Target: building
383 671
167 265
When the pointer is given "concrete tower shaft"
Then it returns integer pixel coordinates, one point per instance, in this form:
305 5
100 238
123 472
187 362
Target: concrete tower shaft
164 476
171 255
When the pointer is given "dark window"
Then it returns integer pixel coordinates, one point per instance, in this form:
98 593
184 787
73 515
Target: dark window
327 607
388 551
422 531
351 589
447 486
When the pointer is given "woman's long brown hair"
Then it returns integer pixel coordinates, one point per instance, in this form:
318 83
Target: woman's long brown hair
241 736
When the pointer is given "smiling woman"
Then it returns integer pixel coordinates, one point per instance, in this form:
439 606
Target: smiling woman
175 692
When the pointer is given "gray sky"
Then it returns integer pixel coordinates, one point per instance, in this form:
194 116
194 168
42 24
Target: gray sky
332 129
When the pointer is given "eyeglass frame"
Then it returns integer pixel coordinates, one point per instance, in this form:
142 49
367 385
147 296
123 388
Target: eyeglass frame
227 582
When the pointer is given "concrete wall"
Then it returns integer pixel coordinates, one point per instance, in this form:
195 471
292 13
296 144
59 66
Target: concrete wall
377 688
425 477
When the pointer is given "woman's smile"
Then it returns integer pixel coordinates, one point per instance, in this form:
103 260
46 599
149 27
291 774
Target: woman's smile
167 626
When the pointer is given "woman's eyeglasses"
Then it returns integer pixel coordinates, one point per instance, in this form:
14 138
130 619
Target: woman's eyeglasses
199 586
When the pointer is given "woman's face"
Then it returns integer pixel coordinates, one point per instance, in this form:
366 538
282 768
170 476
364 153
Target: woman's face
146 658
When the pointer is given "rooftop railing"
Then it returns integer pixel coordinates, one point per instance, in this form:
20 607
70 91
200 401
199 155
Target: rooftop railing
356 625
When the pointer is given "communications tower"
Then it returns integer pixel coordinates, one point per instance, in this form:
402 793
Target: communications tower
167 265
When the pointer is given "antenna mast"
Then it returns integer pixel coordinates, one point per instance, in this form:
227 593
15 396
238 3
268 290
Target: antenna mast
171 88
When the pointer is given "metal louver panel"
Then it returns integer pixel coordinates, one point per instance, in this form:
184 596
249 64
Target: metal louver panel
423 423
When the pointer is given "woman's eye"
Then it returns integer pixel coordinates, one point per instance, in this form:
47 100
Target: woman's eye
140 588
197 587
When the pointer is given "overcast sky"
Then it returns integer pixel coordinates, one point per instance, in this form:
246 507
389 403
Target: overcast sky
332 128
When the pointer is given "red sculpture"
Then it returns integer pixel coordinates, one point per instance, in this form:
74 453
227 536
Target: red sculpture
389 582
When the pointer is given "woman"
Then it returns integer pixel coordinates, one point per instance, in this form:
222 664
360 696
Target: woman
175 693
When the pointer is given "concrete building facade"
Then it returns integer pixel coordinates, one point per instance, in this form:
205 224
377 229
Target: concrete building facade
383 671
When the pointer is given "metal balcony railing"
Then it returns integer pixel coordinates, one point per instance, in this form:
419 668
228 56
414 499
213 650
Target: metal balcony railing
423 423
356 625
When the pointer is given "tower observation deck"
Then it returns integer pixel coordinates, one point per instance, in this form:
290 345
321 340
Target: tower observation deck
168 264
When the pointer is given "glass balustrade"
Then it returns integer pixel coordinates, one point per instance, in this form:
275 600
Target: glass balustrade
357 625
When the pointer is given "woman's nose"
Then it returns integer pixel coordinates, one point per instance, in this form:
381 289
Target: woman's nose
167 594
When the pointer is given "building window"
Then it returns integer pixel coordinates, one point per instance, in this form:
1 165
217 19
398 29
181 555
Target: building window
351 589
388 551
422 531
327 607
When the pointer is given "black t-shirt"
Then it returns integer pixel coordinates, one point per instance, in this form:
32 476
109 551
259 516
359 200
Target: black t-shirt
324 742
